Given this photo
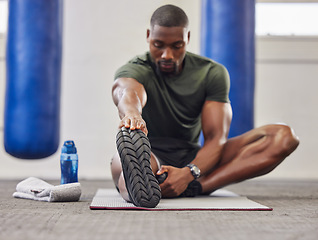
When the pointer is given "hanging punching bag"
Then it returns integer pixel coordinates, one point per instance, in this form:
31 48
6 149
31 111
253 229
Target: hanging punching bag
32 102
228 38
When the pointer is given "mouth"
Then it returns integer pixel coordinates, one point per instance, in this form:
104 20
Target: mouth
167 66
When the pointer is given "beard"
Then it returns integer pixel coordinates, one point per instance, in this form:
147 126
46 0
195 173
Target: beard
167 67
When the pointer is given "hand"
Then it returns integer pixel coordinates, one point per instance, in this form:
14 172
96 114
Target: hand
176 182
133 121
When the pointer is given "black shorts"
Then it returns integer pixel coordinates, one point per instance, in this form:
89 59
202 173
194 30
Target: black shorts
174 152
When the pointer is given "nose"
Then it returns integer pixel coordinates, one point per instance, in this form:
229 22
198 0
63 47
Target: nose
167 54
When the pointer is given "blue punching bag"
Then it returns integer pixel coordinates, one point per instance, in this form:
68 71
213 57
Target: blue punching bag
228 28
32 102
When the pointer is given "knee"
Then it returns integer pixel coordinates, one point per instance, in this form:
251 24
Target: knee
286 139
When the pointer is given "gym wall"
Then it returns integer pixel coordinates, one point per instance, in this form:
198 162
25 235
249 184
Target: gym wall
99 36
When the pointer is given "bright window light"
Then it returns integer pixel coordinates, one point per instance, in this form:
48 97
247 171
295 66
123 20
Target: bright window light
287 19
3 16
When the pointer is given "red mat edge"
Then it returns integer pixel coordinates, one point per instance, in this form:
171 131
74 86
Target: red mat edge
181 209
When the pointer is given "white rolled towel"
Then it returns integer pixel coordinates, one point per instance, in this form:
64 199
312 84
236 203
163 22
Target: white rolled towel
37 189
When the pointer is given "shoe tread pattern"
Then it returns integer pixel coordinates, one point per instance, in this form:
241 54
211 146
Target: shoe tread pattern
134 150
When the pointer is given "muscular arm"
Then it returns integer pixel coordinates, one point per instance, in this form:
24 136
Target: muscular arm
216 119
130 97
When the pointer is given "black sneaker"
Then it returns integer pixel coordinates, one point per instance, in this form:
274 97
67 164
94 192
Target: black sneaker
194 188
134 150
161 178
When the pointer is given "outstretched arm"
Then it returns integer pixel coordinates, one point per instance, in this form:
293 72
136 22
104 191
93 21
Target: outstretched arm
216 119
130 97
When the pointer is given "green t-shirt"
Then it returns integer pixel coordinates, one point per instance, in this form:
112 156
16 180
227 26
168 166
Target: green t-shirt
174 104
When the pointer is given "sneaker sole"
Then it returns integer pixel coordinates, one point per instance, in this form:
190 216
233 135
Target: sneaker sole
134 150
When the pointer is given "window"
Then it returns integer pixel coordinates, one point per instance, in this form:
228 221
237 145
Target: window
3 16
286 19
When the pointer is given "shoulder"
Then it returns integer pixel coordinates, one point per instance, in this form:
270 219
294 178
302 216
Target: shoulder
142 60
195 61
215 77
136 68
198 59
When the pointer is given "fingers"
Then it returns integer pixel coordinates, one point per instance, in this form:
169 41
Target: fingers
167 188
134 123
175 183
163 169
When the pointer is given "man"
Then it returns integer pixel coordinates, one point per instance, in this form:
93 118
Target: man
171 94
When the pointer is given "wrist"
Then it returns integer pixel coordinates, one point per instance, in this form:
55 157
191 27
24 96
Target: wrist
194 170
188 175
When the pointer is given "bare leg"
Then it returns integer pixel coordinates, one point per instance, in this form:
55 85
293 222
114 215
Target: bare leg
252 154
118 177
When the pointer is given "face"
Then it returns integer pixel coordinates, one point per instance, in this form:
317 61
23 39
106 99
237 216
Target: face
167 46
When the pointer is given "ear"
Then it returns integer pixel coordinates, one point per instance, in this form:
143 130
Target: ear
148 35
188 36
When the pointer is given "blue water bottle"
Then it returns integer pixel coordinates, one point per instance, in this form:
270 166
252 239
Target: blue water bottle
69 163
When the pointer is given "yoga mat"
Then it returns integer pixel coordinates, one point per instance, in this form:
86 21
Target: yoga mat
220 200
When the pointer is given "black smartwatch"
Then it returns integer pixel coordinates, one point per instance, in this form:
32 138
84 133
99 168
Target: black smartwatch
194 170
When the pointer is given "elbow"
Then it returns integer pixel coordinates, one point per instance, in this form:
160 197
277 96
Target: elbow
215 141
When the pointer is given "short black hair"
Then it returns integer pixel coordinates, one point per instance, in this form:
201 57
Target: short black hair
169 16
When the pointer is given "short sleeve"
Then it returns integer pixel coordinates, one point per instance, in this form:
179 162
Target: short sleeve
138 68
218 84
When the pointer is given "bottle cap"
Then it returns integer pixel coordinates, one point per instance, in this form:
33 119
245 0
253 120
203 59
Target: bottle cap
69 147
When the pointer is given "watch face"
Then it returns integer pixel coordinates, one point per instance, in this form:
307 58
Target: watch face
196 170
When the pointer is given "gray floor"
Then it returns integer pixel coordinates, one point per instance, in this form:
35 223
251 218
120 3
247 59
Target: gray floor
295 216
